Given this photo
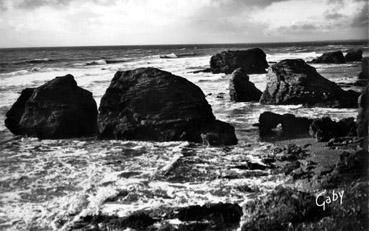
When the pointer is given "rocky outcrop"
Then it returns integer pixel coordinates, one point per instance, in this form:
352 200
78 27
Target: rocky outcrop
292 81
291 125
151 104
253 61
241 89
330 57
325 129
354 55
57 109
282 209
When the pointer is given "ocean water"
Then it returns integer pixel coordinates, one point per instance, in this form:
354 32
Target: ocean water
50 184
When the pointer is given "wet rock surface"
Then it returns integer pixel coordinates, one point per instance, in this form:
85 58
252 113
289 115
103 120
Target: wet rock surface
241 89
325 129
57 109
292 81
253 61
150 104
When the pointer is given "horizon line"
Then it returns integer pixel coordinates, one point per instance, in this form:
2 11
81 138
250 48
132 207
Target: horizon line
192 44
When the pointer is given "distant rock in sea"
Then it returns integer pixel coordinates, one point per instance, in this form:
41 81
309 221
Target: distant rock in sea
155 105
252 61
241 89
354 55
292 81
330 57
57 109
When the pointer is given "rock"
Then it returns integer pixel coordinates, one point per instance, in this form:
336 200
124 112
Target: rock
325 129
58 109
363 117
282 209
14 115
330 57
155 105
291 125
292 81
354 55
253 61
364 74
217 213
241 89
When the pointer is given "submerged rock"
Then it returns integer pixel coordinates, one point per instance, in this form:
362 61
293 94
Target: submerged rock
151 104
291 125
283 209
253 61
354 55
330 57
241 89
292 81
57 109
325 129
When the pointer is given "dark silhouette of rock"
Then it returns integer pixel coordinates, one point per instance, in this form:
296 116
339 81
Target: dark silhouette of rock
241 89
291 125
292 81
151 104
281 209
363 117
57 109
364 74
252 61
325 129
354 55
330 57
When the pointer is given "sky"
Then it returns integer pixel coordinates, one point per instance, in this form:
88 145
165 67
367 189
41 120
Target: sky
33 23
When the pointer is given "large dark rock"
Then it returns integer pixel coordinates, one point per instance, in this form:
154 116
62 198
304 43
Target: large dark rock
354 55
325 129
282 209
241 89
252 61
57 109
292 81
291 125
151 104
330 57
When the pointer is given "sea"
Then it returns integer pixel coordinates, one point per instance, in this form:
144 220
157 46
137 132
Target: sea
51 184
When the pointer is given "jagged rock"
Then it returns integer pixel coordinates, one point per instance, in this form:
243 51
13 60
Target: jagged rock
252 61
354 55
292 81
325 129
282 209
291 125
330 57
151 104
241 89
57 109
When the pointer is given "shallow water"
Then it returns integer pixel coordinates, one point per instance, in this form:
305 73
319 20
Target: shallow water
49 184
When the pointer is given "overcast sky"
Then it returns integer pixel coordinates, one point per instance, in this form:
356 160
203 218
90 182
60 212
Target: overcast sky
129 22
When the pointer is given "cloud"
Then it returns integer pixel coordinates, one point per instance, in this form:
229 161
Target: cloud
362 18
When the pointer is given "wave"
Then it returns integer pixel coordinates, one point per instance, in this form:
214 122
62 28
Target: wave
173 55
107 61
35 61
